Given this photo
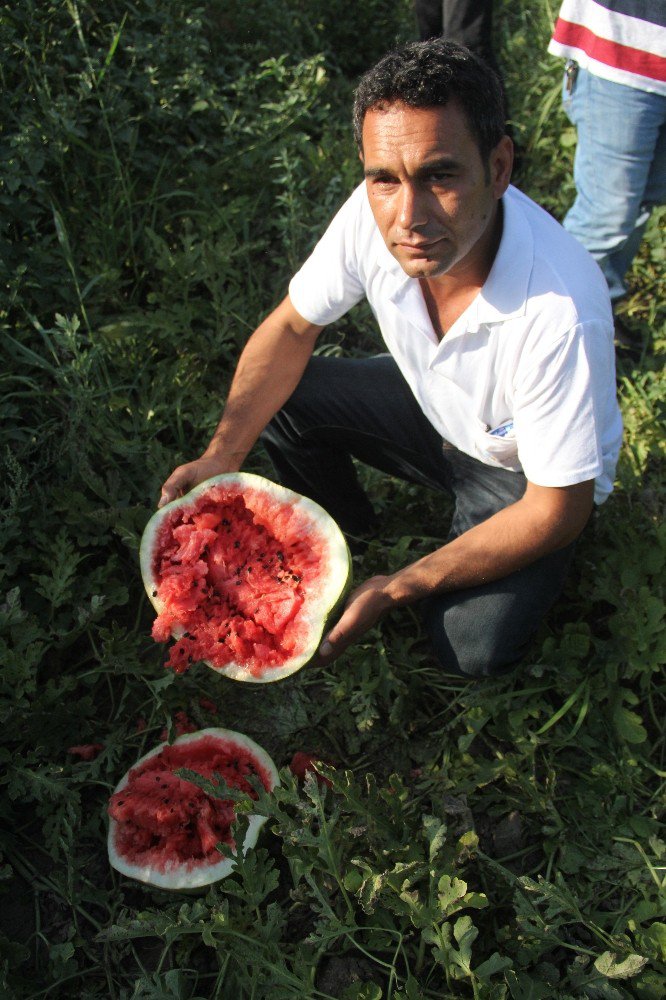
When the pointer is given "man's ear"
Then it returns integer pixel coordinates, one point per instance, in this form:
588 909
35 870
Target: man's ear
501 164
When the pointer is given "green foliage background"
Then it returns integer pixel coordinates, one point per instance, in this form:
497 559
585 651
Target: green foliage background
164 167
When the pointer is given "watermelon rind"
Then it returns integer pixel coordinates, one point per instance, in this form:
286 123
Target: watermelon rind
180 877
321 608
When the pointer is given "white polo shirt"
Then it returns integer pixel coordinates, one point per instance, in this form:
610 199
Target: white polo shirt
534 348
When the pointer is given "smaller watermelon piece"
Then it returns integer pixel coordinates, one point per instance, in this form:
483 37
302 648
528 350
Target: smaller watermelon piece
244 574
164 830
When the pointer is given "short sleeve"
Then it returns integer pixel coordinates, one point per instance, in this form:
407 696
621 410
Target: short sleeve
329 282
566 417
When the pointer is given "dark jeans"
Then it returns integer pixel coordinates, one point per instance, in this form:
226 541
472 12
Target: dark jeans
363 408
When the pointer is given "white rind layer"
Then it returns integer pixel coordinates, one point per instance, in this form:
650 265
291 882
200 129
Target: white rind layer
180 877
316 611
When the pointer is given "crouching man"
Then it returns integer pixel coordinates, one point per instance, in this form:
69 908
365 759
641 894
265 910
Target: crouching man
498 385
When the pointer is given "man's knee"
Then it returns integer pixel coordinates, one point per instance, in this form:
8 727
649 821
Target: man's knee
486 630
475 641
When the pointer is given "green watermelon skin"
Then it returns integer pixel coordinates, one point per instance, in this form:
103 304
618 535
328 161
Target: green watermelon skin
164 830
245 575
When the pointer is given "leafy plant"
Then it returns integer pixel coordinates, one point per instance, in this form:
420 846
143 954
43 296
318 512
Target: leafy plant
162 172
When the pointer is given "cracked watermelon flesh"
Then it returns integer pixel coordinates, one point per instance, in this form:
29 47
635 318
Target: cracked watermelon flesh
164 830
244 574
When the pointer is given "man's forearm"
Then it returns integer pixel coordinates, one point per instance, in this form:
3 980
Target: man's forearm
541 522
268 371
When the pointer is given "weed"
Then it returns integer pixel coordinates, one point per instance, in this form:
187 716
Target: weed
162 173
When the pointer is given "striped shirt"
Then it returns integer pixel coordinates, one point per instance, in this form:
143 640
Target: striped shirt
619 40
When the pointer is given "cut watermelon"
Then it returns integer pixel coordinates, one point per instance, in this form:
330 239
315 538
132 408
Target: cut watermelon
244 574
164 830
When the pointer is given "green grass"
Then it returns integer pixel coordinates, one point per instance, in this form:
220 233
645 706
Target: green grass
163 168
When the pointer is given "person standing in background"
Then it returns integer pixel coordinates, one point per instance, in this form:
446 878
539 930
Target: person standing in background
614 92
468 22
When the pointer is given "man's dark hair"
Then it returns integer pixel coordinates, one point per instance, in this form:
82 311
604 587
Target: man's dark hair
430 74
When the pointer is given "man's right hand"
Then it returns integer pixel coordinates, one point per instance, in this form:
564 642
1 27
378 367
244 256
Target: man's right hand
187 476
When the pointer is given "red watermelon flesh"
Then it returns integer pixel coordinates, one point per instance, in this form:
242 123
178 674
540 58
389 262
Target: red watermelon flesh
224 569
164 820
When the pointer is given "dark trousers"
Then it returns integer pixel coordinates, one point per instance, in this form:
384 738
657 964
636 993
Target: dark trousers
468 22
346 408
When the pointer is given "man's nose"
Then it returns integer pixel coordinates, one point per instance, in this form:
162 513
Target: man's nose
412 211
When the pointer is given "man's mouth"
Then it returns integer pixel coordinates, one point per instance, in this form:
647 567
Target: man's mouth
419 249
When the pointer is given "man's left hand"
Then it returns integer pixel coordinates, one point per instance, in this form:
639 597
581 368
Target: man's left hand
366 605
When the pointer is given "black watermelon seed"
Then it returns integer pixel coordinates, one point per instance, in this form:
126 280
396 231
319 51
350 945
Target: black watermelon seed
154 593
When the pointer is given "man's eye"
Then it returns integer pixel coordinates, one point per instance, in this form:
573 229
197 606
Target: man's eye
440 176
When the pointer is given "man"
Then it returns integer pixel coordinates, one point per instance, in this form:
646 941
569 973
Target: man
499 387
615 94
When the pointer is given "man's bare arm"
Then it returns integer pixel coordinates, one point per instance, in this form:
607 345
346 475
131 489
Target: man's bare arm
543 520
268 371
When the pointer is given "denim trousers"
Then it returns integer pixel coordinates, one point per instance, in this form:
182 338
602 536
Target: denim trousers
350 408
619 169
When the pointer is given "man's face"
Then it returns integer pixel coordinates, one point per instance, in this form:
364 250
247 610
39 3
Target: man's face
432 196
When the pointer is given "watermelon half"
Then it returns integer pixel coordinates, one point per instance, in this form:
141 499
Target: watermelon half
164 830
244 574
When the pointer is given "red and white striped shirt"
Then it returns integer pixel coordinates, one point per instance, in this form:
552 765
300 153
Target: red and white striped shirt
619 40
